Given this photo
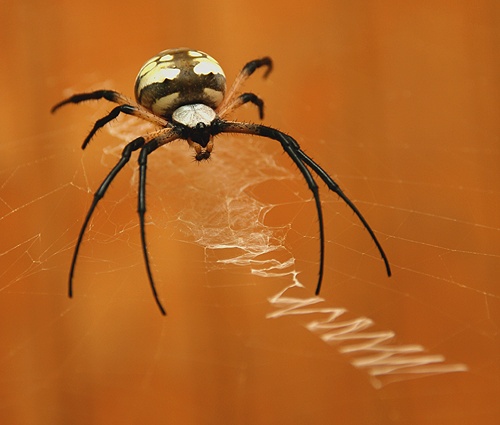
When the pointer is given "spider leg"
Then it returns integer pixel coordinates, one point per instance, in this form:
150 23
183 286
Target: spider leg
253 65
110 95
127 106
289 146
148 148
241 100
246 71
313 186
126 153
126 109
334 187
292 148
101 191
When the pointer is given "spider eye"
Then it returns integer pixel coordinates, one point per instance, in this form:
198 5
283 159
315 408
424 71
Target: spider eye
178 77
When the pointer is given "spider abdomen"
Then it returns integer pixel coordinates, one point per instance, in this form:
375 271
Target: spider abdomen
178 77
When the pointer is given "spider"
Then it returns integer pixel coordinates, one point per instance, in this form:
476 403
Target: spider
183 92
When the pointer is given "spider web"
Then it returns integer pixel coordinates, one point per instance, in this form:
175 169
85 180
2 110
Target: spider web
398 101
245 222
236 232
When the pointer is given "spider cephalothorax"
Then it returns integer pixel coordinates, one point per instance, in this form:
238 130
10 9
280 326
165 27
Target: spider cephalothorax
183 92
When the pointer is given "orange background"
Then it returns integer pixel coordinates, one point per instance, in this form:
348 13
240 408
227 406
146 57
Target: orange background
399 101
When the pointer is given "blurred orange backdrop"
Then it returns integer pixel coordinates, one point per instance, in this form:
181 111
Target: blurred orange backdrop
398 101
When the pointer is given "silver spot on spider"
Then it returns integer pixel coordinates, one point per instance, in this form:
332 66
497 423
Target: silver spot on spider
192 115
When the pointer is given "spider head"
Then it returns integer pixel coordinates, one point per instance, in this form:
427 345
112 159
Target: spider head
202 152
196 124
200 139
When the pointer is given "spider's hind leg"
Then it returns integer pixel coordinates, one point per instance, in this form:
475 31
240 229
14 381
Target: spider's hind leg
126 106
241 100
125 109
255 64
247 70
109 95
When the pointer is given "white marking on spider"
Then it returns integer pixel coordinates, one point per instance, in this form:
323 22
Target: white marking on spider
191 115
194 54
206 66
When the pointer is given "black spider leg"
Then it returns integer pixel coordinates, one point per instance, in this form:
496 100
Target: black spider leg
257 101
292 148
241 100
126 154
253 65
149 147
126 109
125 106
110 95
229 103
334 187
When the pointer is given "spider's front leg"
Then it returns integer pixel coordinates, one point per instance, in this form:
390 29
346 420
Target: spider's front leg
290 146
147 149
98 195
303 161
152 140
